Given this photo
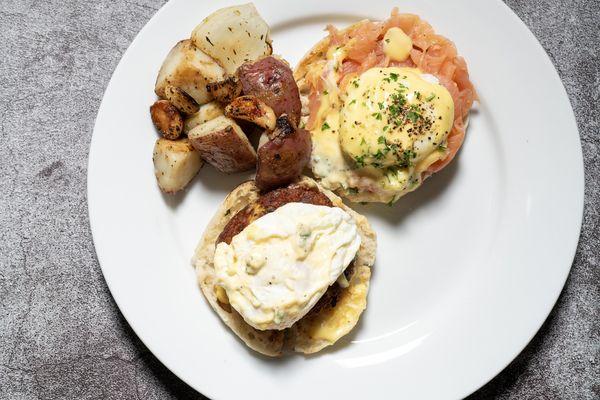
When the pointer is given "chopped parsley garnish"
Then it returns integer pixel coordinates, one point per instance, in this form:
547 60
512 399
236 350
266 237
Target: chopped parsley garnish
380 105
363 141
325 92
325 126
394 76
355 83
412 116
360 161
430 97
377 116
381 140
407 157
379 155
353 102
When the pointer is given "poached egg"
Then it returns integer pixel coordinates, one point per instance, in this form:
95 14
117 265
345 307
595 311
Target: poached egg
374 137
278 267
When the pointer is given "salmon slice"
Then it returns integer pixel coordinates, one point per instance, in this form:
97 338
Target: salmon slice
432 53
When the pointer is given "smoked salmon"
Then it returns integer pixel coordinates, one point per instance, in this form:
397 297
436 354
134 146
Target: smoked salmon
432 53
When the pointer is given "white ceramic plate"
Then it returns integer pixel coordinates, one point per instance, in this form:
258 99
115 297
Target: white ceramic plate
468 266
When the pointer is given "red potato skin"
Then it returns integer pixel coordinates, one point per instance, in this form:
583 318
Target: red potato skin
226 151
283 158
272 81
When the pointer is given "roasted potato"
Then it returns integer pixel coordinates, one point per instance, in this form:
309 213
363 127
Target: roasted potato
226 90
283 157
176 162
223 144
263 139
233 35
250 108
181 100
205 113
167 119
189 69
272 81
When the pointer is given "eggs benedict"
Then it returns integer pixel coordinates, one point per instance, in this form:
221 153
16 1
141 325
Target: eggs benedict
386 104
288 269
277 268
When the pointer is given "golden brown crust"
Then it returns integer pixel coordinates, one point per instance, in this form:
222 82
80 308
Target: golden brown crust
166 119
189 69
226 90
181 100
251 109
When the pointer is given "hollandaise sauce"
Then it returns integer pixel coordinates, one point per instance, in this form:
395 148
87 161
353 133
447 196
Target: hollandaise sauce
382 130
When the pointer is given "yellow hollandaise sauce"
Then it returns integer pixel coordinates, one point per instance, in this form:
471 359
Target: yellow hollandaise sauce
376 136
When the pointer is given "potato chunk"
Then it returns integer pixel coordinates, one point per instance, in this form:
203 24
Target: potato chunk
205 113
250 108
176 162
181 100
233 35
166 119
226 90
223 144
272 81
283 157
189 69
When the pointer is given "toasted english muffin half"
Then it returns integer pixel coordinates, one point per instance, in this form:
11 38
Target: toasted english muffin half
331 318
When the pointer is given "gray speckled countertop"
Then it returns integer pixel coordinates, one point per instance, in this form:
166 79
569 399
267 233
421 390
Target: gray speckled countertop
57 58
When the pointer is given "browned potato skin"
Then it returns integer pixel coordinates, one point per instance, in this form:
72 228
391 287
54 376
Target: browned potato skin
284 156
181 100
226 90
272 81
251 109
189 69
225 149
167 119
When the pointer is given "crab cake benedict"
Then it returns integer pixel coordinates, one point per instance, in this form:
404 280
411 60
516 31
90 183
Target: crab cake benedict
288 269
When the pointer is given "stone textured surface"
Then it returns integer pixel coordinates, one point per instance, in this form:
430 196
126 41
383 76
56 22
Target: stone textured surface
57 58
